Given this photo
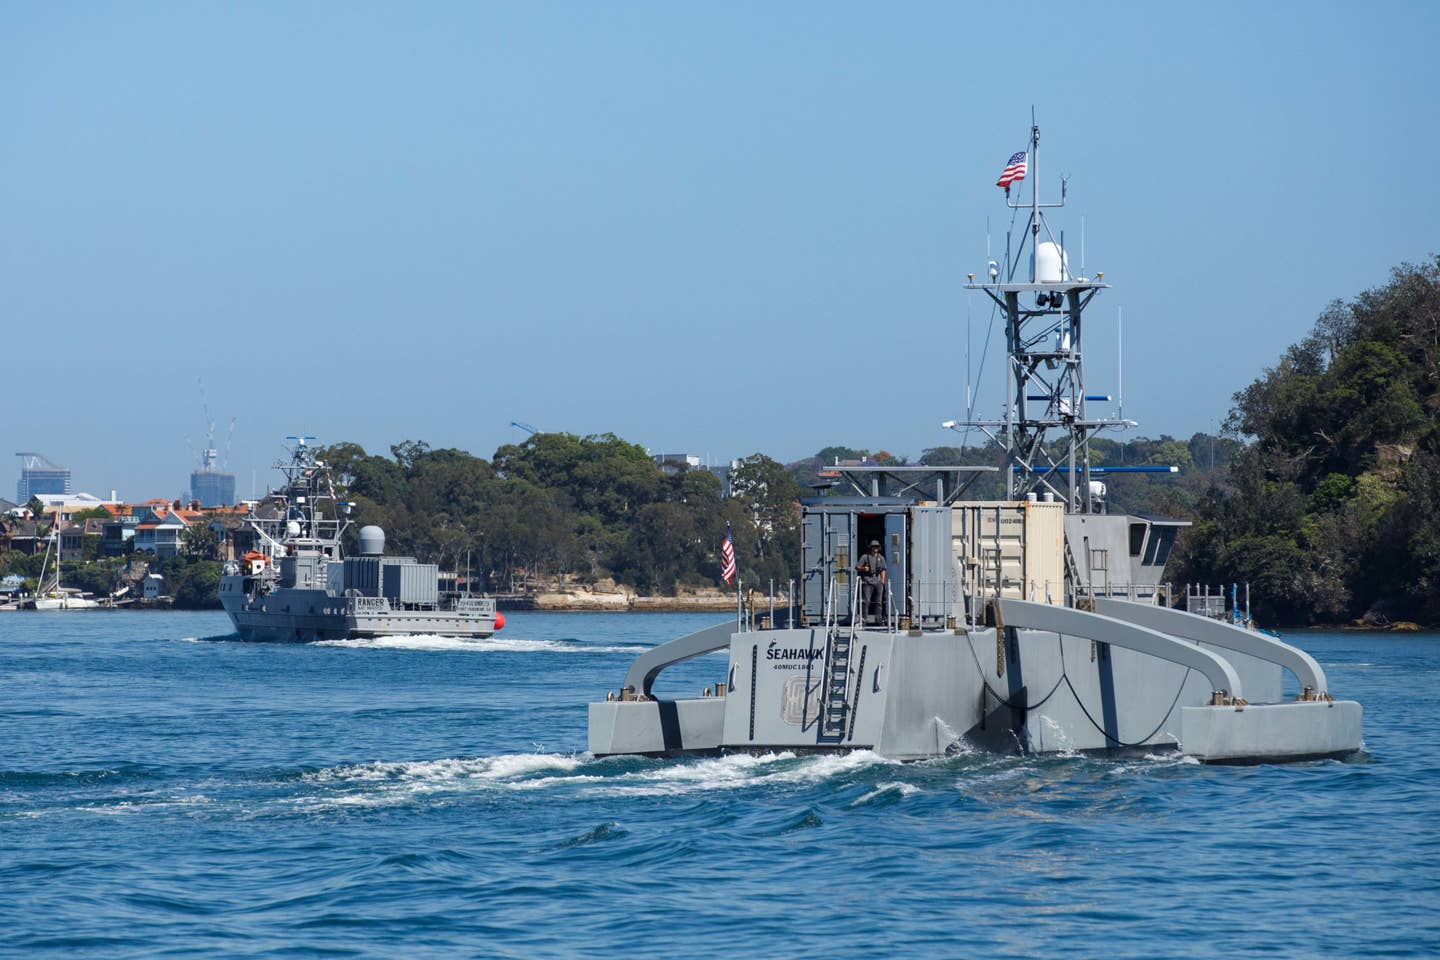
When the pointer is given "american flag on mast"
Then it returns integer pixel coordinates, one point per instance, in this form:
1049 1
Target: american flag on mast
727 557
1014 171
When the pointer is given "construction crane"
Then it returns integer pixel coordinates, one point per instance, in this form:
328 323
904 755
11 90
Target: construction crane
209 455
524 426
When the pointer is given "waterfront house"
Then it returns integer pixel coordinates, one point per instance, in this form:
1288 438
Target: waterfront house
81 541
64 506
23 535
161 535
117 535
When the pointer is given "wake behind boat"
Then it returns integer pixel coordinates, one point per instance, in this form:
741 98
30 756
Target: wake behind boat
298 585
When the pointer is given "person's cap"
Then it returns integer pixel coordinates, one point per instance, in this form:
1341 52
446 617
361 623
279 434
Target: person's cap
874 543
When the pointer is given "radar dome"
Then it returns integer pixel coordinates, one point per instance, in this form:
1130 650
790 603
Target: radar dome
372 541
1051 263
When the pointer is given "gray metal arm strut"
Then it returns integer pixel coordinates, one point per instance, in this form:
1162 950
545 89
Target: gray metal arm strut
1227 636
648 665
1103 629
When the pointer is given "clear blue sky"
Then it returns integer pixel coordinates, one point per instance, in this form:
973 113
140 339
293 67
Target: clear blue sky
700 227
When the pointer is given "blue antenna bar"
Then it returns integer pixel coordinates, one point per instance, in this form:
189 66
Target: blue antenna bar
1089 398
1016 468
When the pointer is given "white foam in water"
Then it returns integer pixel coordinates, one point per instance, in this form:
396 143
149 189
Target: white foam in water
721 773
429 641
385 783
904 789
503 767
1056 739
382 784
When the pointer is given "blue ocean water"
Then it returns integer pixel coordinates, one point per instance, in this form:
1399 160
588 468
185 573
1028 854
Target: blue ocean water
168 792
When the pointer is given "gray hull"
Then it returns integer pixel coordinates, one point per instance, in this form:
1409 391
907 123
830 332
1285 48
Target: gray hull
912 695
300 616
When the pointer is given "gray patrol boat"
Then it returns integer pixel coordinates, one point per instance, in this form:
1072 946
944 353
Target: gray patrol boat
1037 623
298 585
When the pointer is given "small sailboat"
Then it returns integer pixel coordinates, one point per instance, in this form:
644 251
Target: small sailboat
54 596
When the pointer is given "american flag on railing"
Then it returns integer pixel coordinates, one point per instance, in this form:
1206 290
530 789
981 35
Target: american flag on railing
1014 171
727 557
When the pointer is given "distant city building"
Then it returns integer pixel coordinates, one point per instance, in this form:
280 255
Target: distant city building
38 475
212 487
723 473
673 463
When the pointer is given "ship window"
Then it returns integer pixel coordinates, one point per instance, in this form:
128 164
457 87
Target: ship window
1137 538
1159 548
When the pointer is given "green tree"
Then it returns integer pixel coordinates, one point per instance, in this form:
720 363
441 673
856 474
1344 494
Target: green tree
771 499
194 584
200 542
1331 506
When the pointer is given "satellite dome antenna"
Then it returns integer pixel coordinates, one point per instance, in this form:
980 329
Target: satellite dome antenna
1046 383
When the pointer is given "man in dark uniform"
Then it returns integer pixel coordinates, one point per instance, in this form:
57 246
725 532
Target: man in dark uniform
872 583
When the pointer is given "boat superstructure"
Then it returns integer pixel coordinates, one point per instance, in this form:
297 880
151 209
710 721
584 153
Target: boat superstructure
1037 623
298 585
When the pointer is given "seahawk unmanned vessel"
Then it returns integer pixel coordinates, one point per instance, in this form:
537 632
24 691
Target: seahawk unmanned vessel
299 586
1036 623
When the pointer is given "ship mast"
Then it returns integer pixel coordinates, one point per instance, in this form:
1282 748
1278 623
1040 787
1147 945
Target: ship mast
1045 379
308 485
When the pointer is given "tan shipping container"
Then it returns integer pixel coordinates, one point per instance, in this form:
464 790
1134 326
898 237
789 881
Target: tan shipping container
1018 542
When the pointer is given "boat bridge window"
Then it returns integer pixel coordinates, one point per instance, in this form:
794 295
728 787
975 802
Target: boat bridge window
1157 551
1137 538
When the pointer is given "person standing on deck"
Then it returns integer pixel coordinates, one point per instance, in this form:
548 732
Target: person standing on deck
872 583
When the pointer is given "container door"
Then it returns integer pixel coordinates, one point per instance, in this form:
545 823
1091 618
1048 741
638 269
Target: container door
842 562
932 566
813 559
898 598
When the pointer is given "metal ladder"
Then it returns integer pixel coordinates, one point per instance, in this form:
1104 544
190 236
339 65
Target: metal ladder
1072 572
834 706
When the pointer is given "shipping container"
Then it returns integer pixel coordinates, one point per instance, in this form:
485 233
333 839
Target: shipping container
409 582
1018 545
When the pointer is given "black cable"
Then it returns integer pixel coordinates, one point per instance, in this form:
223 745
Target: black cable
1003 702
1064 675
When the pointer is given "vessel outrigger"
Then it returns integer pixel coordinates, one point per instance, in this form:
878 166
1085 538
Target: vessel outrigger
1036 623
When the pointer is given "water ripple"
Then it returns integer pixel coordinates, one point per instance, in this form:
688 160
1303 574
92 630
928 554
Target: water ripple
233 800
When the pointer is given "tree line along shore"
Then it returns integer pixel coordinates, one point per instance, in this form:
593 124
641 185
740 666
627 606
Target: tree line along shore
1322 493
